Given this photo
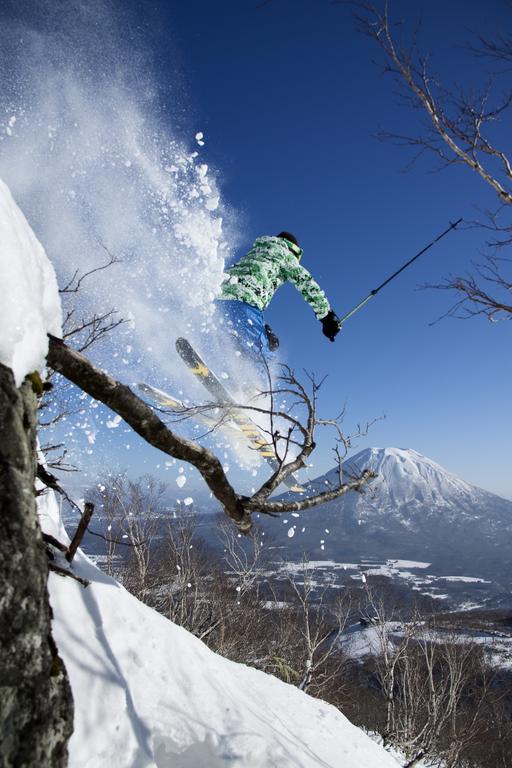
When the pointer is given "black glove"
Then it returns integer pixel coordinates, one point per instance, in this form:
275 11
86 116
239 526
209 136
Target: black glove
273 341
330 325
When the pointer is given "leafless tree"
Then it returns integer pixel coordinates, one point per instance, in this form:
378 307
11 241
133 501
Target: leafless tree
186 589
320 625
434 678
142 508
86 329
458 129
132 511
391 649
243 559
495 727
201 595
429 678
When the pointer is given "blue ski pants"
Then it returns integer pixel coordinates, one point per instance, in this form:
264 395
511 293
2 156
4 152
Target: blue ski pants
246 326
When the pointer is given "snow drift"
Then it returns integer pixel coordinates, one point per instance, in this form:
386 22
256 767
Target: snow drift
30 304
147 693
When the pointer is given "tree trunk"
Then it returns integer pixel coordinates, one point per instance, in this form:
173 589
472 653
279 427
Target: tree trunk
36 705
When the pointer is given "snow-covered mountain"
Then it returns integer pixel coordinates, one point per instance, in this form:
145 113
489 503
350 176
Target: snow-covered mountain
410 486
414 510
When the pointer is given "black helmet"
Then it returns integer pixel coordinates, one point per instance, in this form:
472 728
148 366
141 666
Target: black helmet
292 243
289 236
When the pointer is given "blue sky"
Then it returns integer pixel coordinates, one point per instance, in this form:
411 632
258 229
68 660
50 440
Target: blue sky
290 98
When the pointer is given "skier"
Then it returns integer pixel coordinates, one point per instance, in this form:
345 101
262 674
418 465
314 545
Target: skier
250 284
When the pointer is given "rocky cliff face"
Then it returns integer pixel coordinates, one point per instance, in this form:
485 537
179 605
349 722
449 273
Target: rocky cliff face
36 708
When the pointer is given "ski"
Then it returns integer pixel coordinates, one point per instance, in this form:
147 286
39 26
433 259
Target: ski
161 397
252 432
174 404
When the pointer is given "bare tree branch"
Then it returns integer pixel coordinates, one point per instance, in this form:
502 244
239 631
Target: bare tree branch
92 329
276 507
458 130
461 132
75 367
75 282
79 370
64 572
80 531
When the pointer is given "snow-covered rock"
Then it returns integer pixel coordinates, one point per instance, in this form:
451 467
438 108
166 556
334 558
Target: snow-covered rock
30 304
147 693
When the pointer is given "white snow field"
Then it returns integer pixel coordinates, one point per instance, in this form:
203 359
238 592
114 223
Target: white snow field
148 693
30 303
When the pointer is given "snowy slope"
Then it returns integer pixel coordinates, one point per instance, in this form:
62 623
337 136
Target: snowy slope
147 693
30 303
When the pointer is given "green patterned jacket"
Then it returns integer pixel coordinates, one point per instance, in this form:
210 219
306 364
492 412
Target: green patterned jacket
270 263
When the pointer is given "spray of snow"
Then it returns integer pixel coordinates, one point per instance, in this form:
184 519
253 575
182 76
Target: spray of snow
95 160
30 305
99 172
113 423
90 152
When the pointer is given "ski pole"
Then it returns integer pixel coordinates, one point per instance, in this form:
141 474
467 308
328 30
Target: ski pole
395 274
